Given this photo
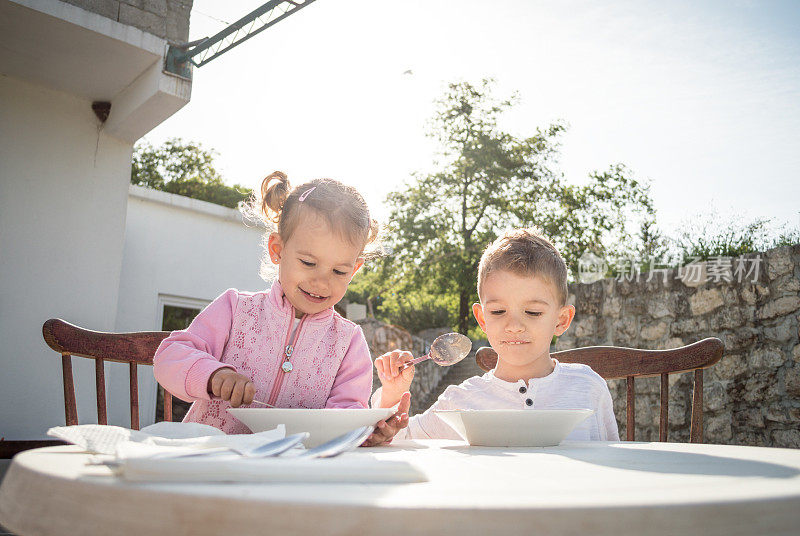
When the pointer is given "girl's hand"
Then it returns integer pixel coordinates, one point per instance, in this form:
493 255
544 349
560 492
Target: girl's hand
227 384
394 382
386 430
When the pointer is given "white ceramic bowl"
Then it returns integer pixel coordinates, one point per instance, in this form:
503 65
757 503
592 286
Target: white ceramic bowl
514 427
322 424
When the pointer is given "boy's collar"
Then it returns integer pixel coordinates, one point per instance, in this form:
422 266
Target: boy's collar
513 386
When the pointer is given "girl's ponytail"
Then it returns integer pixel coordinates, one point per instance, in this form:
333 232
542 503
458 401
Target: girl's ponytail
374 231
274 191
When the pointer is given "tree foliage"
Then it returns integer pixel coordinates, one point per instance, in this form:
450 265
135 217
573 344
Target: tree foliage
184 168
490 180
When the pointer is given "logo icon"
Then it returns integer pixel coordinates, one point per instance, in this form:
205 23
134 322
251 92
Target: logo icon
591 268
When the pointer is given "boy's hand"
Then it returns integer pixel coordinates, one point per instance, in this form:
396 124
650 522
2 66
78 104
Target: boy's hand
393 381
386 430
227 384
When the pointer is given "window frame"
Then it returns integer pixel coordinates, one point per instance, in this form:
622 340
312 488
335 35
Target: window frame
177 301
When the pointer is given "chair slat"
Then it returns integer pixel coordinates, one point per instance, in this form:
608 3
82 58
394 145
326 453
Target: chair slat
696 430
663 424
167 406
612 362
70 408
134 381
138 347
631 410
100 382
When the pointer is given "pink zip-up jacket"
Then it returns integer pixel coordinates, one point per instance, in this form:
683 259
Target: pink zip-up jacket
249 332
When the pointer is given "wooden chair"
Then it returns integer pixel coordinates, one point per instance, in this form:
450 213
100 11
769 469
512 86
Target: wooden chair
132 348
135 349
612 362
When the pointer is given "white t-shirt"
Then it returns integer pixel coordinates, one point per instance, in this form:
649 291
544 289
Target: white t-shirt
569 386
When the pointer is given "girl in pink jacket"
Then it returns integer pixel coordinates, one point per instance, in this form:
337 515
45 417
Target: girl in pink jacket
285 346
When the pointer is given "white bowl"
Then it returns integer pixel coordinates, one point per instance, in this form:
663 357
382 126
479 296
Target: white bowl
514 427
322 424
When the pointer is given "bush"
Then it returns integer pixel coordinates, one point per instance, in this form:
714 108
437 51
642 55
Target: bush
706 238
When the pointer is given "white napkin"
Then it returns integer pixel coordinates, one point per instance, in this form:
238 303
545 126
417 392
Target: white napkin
161 439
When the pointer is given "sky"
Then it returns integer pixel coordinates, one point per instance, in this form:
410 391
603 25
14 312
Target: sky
700 98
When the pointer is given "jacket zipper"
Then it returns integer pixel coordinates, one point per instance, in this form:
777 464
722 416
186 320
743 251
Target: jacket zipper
288 349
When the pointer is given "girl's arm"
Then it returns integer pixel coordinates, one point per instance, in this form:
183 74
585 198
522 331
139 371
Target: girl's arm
353 383
187 358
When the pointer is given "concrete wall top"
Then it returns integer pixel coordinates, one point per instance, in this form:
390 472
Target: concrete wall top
187 203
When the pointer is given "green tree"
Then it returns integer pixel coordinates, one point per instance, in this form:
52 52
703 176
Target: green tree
489 180
414 309
184 168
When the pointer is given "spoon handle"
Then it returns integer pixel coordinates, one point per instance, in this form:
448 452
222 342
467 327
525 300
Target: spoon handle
415 361
260 403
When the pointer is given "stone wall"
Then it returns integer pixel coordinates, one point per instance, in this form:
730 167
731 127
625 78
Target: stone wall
168 19
752 396
383 338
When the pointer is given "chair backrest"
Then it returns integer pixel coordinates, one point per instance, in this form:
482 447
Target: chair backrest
613 362
133 348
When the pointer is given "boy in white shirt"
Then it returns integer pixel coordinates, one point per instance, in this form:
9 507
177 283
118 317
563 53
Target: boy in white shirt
522 287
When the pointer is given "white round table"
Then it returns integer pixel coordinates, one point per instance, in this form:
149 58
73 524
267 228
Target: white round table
576 488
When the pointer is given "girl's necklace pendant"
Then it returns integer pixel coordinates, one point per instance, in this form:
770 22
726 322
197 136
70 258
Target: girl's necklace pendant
286 366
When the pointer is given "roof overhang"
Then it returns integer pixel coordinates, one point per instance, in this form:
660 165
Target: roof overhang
68 49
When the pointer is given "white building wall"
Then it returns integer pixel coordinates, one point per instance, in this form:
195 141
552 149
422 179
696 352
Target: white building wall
63 193
176 248
64 183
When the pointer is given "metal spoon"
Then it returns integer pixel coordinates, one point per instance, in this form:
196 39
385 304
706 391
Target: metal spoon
447 349
260 403
276 447
273 448
338 445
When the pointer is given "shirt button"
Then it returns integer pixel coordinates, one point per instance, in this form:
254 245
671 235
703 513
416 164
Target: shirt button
529 402
522 390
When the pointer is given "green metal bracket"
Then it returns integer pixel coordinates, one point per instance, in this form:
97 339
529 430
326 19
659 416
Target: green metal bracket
180 58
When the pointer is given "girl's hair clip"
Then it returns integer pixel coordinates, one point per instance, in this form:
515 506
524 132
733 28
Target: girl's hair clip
305 194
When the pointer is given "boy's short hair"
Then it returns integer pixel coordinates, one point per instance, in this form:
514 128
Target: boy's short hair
525 252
